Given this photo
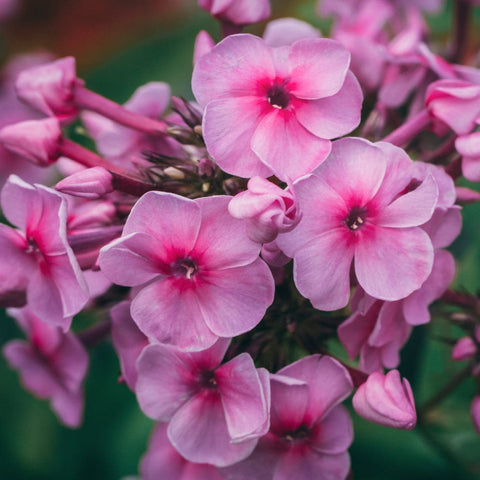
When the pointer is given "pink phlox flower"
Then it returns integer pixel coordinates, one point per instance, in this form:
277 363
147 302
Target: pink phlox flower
50 88
355 209
309 431
36 257
121 144
291 101
51 364
162 461
200 275
386 400
267 209
203 45
215 412
464 349
238 12
92 183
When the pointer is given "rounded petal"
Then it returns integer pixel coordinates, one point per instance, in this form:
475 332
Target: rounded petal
390 263
199 432
233 68
285 31
229 144
333 116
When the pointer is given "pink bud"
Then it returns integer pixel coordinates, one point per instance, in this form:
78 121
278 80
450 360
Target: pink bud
475 413
90 183
36 140
50 87
466 195
464 349
268 210
238 12
203 44
386 400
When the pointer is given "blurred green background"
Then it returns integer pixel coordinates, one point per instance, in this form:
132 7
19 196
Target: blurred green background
119 45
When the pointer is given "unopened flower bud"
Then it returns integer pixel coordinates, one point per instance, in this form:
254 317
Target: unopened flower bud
36 140
90 183
386 400
50 87
464 349
466 195
238 12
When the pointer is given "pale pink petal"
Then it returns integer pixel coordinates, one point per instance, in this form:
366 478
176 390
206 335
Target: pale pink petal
172 220
233 301
233 68
415 306
334 387
165 382
171 314
413 208
244 402
318 67
285 31
304 464
199 432
392 263
444 226
128 341
222 241
132 259
285 146
355 169
230 147
322 270
334 434
68 406
333 116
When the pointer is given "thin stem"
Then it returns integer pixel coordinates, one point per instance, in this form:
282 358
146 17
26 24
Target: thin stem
461 28
94 335
96 103
406 132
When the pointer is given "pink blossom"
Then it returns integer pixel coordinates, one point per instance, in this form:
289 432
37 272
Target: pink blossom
162 461
267 209
238 12
203 277
291 101
52 365
203 44
215 412
309 431
36 258
464 349
354 209
386 400
35 140
285 31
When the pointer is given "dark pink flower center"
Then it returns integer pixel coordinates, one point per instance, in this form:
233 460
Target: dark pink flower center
278 96
356 218
298 435
208 380
184 267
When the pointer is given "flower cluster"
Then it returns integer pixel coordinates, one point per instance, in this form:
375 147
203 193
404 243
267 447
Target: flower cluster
268 211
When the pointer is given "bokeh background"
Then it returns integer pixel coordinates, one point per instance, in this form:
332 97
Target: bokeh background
120 45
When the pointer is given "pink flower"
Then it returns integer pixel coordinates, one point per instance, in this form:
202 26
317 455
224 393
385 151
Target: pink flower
203 277
354 209
291 101
35 140
267 209
162 461
468 146
92 183
464 349
386 400
52 365
216 412
36 258
309 431
285 31
238 12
